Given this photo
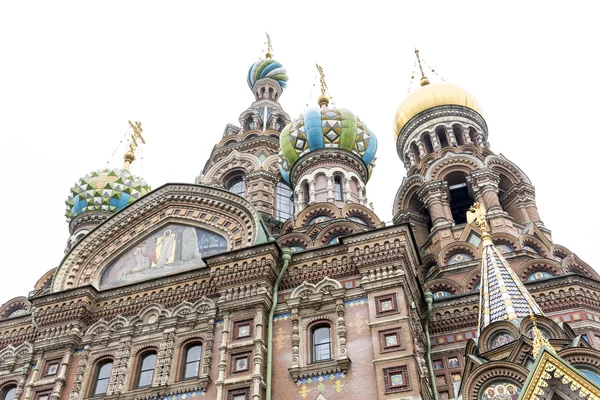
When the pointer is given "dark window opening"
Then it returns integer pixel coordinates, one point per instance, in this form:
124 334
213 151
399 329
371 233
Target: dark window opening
285 202
458 134
237 186
428 144
337 183
321 343
441 132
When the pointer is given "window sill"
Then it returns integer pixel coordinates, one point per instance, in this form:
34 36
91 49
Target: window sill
319 368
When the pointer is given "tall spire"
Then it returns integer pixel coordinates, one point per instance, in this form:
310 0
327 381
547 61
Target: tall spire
136 135
424 80
323 98
502 296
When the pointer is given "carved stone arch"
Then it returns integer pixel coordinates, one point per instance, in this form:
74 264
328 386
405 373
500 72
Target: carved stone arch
429 261
327 284
97 328
201 206
449 150
288 226
501 164
538 264
139 349
246 161
581 356
331 210
204 305
18 351
410 185
325 318
337 228
471 280
491 330
271 163
95 357
15 304
182 309
452 163
117 323
457 247
358 210
150 314
228 140
45 280
545 323
559 251
307 288
574 264
490 371
295 238
449 285
304 290
530 240
506 238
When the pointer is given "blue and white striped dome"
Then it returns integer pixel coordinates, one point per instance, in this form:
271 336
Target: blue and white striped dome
267 68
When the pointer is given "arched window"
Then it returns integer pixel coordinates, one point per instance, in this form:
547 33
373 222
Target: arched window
473 137
321 342
531 249
146 371
191 367
415 151
102 377
443 138
458 134
337 186
460 200
536 276
9 392
237 185
358 220
458 258
250 123
427 143
500 339
285 202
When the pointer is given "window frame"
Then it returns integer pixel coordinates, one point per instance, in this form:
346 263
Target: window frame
279 199
387 376
380 299
6 388
238 324
141 358
312 329
234 357
184 359
337 182
234 180
98 367
48 364
44 392
384 348
238 391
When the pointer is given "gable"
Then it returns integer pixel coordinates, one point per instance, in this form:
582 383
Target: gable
206 210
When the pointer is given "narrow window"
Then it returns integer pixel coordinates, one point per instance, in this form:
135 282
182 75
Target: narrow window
460 199
237 186
321 343
337 183
285 202
146 373
9 393
458 134
193 353
306 193
102 378
441 132
427 143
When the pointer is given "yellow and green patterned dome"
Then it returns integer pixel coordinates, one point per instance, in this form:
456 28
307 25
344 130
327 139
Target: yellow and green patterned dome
325 127
106 190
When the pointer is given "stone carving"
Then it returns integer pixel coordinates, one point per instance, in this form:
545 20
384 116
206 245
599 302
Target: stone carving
165 356
81 371
118 374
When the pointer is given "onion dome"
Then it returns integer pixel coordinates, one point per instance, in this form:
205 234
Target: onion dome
429 96
325 127
267 68
107 190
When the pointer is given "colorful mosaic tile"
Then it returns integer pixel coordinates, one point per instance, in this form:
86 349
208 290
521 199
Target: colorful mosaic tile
281 317
356 302
219 323
181 396
321 378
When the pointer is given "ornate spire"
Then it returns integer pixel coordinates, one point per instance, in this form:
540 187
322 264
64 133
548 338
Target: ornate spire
502 296
323 98
136 135
539 340
269 53
424 80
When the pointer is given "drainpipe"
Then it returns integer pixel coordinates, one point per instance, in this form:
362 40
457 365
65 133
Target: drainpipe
429 301
286 255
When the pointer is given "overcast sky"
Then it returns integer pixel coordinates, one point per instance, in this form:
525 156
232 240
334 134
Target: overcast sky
73 73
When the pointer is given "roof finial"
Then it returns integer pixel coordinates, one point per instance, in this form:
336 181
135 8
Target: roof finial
323 98
269 53
539 340
136 135
424 80
476 216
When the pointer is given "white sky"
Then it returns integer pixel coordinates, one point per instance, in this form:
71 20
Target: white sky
73 73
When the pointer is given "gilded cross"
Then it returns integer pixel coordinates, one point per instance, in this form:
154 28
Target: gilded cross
324 87
269 46
136 135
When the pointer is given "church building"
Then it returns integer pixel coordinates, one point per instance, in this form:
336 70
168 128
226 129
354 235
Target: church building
269 277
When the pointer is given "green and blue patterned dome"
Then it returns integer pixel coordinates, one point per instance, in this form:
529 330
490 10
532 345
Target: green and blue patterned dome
106 190
325 127
267 68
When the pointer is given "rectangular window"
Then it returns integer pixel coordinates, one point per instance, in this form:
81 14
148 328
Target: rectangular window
396 379
386 304
45 395
242 329
239 394
390 340
240 362
51 367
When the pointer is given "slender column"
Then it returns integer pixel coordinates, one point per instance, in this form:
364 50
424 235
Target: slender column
362 197
431 194
484 183
434 141
330 195
22 380
347 191
451 137
223 360
465 134
412 159
62 374
295 339
421 148
34 377
311 191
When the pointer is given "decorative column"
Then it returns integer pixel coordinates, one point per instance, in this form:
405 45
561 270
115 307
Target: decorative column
330 195
165 356
451 137
208 347
434 141
223 359
341 330
81 371
62 375
34 377
466 136
347 191
362 196
421 148
412 159
432 195
119 374
311 192
484 184
480 140
295 339
259 354
22 380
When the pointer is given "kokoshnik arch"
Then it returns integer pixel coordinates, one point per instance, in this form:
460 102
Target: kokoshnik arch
269 277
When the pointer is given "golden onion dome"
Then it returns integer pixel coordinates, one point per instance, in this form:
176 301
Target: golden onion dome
429 96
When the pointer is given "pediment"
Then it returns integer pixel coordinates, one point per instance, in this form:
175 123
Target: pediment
168 230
